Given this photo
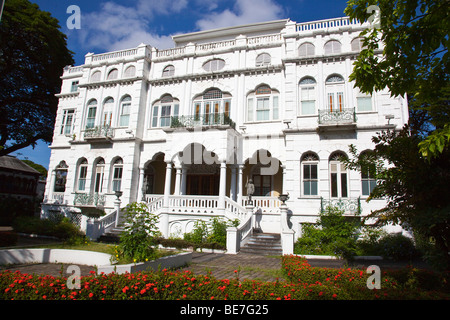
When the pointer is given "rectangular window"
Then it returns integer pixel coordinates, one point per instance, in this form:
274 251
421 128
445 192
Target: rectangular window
74 87
340 101
165 116
368 183
90 122
67 122
82 178
364 103
275 108
308 100
250 109
310 180
227 108
125 115
155 117
117 178
262 109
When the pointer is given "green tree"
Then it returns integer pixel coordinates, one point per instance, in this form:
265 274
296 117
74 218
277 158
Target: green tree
37 167
414 59
416 189
33 53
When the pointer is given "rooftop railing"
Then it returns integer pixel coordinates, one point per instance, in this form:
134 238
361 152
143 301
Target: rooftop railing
98 132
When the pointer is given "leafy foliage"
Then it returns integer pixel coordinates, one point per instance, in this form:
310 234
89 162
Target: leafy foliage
33 53
333 234
413 60
214 231
416 188
138 239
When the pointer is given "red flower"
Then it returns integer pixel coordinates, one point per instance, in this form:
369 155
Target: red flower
91 295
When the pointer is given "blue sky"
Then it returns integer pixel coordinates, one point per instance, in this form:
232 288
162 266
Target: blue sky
118 24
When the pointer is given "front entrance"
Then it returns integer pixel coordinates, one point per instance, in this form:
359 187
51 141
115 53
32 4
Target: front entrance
202 184
203 179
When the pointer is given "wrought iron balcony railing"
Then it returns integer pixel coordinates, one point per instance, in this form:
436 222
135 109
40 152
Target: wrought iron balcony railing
348 205
211 119
342 116
87 199
99 132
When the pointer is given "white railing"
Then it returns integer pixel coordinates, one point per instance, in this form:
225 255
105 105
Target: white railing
58 197
197 202
265 203
327 23
152 197
235 209
96 227
215 45
115 54
156 203
271 38
170 52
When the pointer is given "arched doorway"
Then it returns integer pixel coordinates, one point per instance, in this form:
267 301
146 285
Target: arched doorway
201 170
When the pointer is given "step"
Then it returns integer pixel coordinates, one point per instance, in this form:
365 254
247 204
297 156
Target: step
263 244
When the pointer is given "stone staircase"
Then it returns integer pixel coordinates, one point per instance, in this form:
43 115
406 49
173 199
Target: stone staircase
263 244
112 236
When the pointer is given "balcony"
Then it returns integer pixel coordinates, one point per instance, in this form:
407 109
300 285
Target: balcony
350 206
86 199
337 120
99 134
193 121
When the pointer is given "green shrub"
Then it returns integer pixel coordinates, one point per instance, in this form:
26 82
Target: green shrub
397 247
138 239
334 234
211 234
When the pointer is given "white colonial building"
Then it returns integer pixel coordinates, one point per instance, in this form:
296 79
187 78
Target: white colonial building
185 128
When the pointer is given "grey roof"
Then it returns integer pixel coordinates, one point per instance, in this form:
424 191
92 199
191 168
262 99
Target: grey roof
12 163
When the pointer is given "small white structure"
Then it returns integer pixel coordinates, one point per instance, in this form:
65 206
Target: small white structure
184 129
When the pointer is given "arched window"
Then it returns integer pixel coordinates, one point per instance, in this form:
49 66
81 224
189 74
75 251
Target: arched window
335 93
168 71
307 95
60 177
99 172
310 178
108 108
91 114
125 106
163 111
338 175
82 175
96 76
357 44
130 71
209 106
262 104
117 174
263 60
332 46
113 74
306 49
214 65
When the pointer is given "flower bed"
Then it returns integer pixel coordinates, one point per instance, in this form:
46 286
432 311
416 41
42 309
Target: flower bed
304 282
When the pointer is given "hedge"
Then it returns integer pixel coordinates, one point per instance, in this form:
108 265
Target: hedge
304 282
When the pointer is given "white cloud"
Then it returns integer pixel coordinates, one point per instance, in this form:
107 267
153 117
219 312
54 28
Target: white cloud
120 26
116 27
244 12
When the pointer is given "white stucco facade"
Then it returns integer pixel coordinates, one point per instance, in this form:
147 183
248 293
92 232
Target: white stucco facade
176 126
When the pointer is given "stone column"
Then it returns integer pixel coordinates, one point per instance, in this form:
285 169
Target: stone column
233 184
240 187
183 180
177 181
222 185
167 183
283 189
141 192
